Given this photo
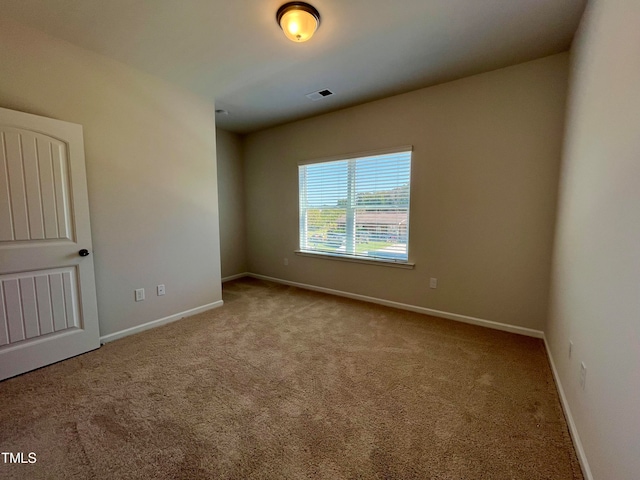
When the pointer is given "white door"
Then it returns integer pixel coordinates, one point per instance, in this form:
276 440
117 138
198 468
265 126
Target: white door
48 306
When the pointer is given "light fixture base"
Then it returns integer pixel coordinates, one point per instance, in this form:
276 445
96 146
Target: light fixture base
298 20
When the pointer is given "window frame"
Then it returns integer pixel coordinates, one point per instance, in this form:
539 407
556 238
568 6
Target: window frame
407 264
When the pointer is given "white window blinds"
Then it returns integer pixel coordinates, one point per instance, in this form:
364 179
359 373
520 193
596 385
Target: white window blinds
357 207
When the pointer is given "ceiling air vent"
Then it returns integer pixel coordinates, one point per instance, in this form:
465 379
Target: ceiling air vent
319 95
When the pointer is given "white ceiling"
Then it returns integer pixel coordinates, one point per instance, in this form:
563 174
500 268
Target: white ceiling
233 52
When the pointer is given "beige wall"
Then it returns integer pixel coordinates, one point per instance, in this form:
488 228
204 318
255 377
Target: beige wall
595 298
151 171
485 171
231 203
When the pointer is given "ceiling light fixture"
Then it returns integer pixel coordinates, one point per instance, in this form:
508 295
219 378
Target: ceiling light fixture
298 20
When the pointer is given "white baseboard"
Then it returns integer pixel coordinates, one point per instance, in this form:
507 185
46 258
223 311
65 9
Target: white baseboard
577 443
235 277
161 321
412 308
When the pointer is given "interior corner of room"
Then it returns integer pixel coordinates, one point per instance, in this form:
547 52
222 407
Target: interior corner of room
524 182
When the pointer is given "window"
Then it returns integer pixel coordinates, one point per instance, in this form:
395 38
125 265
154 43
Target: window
357 207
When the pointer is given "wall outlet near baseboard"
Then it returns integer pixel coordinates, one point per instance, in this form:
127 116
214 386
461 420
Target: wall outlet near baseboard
139 294
433 282
160 289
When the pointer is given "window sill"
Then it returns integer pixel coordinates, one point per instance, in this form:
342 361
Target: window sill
366 261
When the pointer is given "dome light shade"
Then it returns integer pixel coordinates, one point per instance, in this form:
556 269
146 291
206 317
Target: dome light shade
298 21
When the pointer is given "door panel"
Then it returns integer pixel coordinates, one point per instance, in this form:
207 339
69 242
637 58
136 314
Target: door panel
35 204
38 303
47 291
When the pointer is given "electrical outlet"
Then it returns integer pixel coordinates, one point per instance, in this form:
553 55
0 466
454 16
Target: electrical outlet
583 374
139 294
286 262
433 282
160 289
570 348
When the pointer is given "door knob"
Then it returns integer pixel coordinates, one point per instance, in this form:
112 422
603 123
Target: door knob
84 252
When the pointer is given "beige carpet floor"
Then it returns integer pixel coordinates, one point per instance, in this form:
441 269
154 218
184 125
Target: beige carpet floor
283 383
